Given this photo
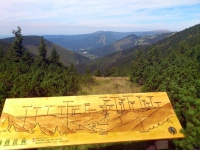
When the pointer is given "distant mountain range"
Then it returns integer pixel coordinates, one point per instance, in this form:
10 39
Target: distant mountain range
86 46
117 59
32 43
123 58
125 43
94 40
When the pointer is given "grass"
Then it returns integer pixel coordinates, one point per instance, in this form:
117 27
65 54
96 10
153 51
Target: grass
107 85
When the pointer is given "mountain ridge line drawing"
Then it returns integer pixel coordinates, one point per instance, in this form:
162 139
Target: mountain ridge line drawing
98 123
73 120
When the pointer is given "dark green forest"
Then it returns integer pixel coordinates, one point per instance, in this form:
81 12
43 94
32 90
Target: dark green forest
171 65
26 75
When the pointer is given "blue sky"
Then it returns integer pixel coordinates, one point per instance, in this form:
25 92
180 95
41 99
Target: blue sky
39 17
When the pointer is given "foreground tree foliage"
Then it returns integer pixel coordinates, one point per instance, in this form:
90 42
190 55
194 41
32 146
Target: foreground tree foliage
171 65
24 75
175 70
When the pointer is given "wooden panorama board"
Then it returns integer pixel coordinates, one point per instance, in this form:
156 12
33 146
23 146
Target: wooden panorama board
73 120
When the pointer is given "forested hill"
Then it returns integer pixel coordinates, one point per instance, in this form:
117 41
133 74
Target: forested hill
114 64
4 46
122 52
94 40
86 41
25 75
120 63
32 43
172 65
128 42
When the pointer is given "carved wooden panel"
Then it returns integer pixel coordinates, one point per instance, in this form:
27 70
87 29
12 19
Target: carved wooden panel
74 120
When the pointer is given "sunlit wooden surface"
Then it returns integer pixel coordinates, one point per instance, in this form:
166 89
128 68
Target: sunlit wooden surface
73 120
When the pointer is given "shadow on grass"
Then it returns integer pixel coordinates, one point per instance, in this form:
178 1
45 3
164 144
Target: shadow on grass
109 146
123 146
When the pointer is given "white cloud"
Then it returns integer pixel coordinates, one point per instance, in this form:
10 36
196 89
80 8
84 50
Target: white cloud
92 13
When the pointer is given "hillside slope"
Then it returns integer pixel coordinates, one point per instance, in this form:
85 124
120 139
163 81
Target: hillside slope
173 65
4 46
94 40
122 60
86 41
32 43
111 61
128 42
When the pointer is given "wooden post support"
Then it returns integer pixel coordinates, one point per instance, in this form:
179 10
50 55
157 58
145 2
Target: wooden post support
151 147
157 145
161 144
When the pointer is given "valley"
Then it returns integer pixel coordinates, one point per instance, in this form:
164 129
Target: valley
99 44
31 44
167 62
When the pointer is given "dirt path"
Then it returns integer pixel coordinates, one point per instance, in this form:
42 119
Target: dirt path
110 85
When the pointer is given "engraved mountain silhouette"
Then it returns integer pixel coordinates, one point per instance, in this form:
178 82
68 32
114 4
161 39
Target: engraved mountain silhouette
12 129
110 120
144 120
37 129
4 126
156 119
42 126
19 124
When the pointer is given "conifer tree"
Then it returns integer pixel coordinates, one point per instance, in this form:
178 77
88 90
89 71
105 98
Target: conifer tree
87 78
54 57
42 49
97 73
154 55
17 49
28 57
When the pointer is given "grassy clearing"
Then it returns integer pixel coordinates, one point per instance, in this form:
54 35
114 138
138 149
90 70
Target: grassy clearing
109 85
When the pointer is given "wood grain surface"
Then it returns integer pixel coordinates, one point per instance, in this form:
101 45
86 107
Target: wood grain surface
73 120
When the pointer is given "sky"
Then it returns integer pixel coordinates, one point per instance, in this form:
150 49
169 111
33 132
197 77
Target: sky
68 17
